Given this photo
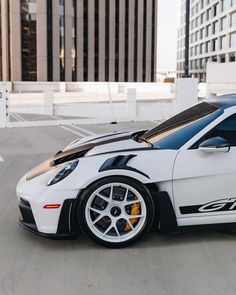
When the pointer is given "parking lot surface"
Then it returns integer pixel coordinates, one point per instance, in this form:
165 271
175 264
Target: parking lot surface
186 263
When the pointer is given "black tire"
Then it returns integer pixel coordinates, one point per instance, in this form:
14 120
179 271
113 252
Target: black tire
142 229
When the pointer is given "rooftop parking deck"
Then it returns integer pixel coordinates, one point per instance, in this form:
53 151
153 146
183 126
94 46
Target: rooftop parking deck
194 262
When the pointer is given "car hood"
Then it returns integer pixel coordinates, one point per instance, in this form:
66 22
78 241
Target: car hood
90 146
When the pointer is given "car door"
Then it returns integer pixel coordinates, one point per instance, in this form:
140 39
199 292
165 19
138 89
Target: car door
204 183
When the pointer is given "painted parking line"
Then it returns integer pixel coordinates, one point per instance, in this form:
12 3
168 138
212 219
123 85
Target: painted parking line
72 127
19 117
83 130
1 159
75 126
15 117
72 131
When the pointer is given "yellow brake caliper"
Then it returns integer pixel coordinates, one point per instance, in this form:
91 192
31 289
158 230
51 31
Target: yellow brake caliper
135 210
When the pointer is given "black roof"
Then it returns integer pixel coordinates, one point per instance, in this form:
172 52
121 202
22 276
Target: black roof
224 101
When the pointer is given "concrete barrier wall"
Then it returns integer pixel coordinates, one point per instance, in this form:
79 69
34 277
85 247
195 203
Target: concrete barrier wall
88 87
221 78
35 86
100 101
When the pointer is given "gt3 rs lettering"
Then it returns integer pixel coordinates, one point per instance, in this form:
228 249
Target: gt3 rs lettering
215 206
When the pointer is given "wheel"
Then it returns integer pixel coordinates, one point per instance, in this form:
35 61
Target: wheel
115 211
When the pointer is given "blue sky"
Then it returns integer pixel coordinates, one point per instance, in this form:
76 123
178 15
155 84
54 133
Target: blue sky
167 34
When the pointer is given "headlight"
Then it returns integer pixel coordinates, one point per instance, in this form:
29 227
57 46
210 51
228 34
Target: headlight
64 172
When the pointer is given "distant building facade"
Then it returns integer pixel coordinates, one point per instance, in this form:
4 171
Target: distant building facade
78 40
212 35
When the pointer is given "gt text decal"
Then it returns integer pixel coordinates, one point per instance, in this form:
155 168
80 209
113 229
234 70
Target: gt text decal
218 205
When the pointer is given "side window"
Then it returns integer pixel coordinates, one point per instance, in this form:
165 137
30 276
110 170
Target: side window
225 129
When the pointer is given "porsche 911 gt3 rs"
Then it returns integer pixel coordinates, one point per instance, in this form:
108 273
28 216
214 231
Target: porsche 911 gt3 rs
115 187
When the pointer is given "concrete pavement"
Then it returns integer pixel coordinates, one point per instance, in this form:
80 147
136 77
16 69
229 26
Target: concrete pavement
187 263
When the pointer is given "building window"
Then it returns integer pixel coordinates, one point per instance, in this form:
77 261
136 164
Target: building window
126 40
223 24
215 27
223 43
201 34
208 14
28 40
207 30
74 41
202 4
233 2
214 44
201 63
215 10
96 40
214 58
107 39
191 38
222 58
117 40
233 20
201 49
62 39
49 41
9 40
232 57
144 37
207 46
202 18
153 74
85 40
233 40
191 51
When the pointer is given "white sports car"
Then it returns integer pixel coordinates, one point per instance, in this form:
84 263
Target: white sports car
115 187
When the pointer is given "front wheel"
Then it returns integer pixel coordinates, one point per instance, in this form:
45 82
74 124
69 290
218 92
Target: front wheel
115 211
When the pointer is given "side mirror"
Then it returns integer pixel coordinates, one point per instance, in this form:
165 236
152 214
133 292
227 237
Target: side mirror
215 144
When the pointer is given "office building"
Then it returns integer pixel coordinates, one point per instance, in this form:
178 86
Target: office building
78 40
212 35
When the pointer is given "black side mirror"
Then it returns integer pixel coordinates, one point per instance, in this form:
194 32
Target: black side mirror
215 144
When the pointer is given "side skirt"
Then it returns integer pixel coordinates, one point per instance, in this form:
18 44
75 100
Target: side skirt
165 220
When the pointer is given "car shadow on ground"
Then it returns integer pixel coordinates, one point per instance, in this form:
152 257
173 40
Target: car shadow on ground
150 240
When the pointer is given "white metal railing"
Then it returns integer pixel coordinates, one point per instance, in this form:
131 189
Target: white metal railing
94 103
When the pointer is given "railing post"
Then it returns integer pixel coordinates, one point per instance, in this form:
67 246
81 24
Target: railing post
186 92
131 104
3 108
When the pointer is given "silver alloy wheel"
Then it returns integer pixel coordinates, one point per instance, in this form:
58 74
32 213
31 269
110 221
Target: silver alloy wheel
108 212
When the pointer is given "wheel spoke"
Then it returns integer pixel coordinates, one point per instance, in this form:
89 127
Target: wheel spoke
126 194
130 224
135 216
111 193
117 231
96 210
103 198
133 202
98 219
108 229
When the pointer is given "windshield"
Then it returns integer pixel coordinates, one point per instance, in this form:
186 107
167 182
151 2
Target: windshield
175 132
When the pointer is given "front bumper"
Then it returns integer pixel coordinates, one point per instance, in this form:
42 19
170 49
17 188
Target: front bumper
66 228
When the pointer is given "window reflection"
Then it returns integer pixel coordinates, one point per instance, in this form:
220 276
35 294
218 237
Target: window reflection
62 39
28 33
73 36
